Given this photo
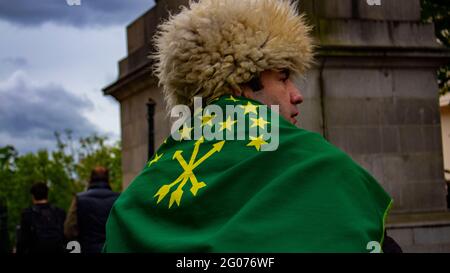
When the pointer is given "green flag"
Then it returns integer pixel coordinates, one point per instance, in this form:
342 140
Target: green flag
227 195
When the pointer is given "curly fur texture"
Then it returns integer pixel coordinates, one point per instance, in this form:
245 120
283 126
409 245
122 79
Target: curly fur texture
213 46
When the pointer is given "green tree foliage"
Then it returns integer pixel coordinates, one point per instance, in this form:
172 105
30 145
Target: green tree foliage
438 12
94 152
66 170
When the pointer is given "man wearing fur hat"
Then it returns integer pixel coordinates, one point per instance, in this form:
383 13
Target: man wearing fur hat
230 195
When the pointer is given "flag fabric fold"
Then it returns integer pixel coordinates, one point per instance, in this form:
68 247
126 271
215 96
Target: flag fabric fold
225 195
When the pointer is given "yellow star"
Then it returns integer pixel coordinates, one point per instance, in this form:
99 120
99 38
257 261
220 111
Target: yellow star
249 108
231 98
227 124
207 119
257 142
185 132
155 159
260 122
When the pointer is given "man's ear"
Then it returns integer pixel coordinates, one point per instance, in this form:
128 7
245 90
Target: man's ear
247 92
237 93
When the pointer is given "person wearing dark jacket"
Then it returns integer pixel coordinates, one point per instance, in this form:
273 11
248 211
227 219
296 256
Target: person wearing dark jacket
42 225
89 211
390 245
4 238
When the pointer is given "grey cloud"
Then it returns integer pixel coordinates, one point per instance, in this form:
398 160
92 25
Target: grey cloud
29 111
90 12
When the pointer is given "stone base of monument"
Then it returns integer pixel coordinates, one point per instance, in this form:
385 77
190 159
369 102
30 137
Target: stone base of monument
421 232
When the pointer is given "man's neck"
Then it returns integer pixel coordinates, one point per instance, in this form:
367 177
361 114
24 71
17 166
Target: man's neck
40 202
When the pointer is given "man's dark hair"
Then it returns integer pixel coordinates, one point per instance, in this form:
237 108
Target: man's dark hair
39 191
255 84
99 174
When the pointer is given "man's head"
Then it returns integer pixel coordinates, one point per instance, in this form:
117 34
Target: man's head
216 47
39 192
99 174
274 88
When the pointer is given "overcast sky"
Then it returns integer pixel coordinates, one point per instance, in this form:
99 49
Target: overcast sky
54 61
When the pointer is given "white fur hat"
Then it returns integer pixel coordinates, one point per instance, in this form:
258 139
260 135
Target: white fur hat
213 46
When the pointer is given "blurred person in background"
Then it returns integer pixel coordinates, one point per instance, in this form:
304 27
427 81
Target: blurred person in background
4 238
89 211
42 225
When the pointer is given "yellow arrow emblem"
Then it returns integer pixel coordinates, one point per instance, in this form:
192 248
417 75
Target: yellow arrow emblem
188 173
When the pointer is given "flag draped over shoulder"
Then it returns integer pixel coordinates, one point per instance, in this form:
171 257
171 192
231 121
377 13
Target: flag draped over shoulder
231 196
